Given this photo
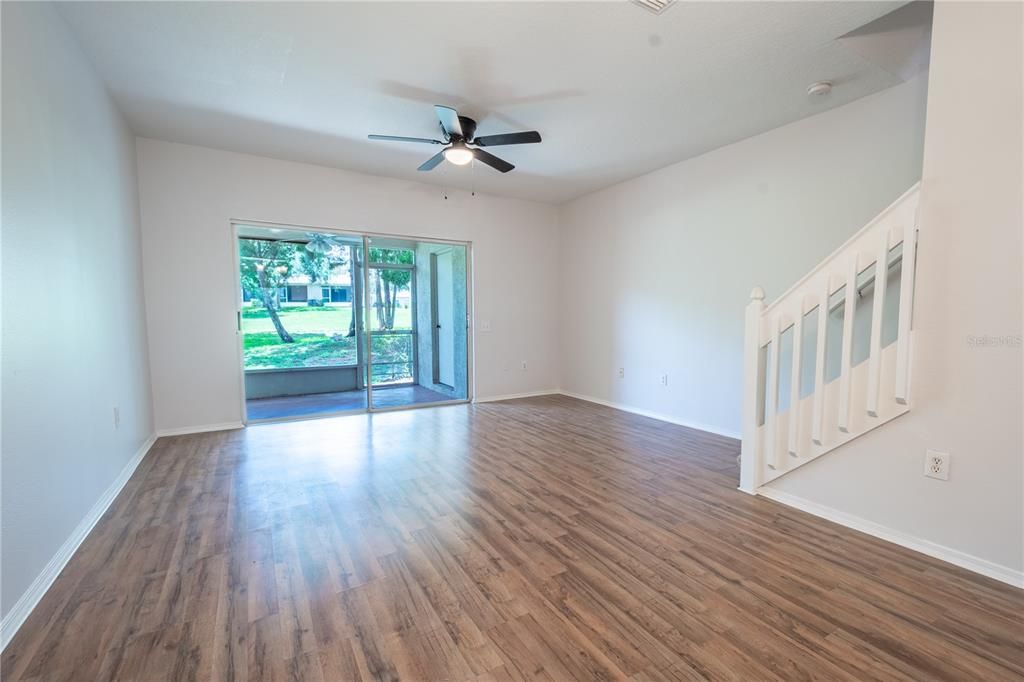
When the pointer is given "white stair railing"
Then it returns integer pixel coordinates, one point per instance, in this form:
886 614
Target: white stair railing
842 396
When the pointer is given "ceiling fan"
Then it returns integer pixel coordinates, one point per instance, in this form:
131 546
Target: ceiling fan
462 147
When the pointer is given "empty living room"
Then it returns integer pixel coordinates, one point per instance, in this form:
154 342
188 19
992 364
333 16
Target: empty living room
527 340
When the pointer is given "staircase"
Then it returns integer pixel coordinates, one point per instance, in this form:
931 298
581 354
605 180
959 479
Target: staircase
816 380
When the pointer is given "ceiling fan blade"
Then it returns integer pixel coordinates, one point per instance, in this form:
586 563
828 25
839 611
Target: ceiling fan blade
528 137
449 120
493 161
432 162
396 138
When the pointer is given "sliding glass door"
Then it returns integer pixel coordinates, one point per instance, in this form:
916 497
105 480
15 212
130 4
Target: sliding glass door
332 322
300 319
417 317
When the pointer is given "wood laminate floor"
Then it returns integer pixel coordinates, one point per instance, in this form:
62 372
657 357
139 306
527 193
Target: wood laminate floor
544 538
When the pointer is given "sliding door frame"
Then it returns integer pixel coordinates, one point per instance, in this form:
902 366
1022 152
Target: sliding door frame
369 305
366 235
240 336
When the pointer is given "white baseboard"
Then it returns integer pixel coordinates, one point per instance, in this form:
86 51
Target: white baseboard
654 415
28 601
953 556
205 428
513 396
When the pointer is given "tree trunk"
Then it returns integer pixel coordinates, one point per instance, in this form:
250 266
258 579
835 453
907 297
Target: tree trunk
389 305
392 306
377 304
268 303
356 277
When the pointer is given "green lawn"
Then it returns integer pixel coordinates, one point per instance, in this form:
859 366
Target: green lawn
301 319
320 337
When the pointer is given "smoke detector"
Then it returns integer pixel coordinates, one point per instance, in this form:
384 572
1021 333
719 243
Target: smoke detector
655 6
819 89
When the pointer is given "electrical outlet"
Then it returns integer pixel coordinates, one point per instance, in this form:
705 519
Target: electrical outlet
485 326
524 365
117 418
622 372
936 465
664 380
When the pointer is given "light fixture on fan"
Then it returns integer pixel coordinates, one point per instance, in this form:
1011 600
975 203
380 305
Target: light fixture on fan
459 154
319 244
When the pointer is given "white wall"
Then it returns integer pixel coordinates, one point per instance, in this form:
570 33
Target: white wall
75 347
657 271
190 194
966 398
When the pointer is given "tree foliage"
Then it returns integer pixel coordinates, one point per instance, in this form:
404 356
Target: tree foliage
388 283
265 266
318 266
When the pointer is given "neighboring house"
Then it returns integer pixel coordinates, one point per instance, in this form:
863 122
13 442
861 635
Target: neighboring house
337 289
298 289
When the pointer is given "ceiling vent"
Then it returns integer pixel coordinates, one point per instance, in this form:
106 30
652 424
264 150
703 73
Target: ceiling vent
654 6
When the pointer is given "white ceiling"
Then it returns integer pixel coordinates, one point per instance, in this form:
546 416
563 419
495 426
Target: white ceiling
614 90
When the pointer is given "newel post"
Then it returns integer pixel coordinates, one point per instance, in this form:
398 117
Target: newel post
751 464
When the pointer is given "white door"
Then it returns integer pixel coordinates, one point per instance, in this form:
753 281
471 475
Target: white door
446 319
